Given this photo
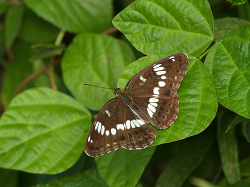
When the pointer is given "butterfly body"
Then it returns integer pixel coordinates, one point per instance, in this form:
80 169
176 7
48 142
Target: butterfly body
149 97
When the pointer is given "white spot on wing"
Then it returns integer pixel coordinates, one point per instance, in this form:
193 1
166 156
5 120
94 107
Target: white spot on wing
163 77
132 124
159 68
103 129
171 57
156 66
136 123
156 90
161 83
99 127
150 113
107 132
113 131
120 126
96 125
153 100
154 104
89 139
142 79
140 122
151 107
128 124
161 72
108 113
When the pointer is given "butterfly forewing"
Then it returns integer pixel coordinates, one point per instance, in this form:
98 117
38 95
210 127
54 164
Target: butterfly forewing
155 89
112 130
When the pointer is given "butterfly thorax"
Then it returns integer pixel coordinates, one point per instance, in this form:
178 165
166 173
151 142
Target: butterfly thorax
123 96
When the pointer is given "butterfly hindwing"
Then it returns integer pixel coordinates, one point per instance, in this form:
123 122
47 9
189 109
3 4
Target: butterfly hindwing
112 130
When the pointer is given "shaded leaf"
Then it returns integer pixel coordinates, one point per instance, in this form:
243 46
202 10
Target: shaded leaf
35 29
3 5
235 121
228 149
74 16
8 178
198 102
191 152
86 61
237 2
42 131
12 24
229 66
43 50
243 183
246 129
200 182
158 27
19 69
88 178
225 25
123 167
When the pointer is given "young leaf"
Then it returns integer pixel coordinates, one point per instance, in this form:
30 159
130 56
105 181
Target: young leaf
42 131
86 61
229 66
246 129
158 27
12 24
228 149
198 102
75 16
123 167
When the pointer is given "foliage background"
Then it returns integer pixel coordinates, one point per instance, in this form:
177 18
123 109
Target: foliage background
48 49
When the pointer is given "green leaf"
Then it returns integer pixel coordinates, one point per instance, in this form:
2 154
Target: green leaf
75 16
3 5
228 149
243 183
225 25
86 61
19 69
246 129
244 11
87 178
44 50
237 2
12 24
35 29
123 167
236 120
8 178
189 155
198 102
158 27
42 131
229 66
200 182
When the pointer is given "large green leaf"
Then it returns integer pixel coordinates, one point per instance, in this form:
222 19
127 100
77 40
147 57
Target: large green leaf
35 29
191 153
42 131
123 167
12 24
225 25
86 61
229 65
198 102
158 27
19 69
88 178
74 16
228 149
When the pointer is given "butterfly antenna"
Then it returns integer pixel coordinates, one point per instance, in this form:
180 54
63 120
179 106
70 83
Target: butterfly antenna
97 86
112 69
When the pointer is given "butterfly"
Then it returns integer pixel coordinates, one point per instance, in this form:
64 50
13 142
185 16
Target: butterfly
150 97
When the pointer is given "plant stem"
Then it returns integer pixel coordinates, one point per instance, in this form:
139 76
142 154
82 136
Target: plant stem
206 52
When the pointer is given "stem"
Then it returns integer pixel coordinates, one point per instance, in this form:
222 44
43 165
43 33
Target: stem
206 52
109 31
35 74
52 77
59 38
